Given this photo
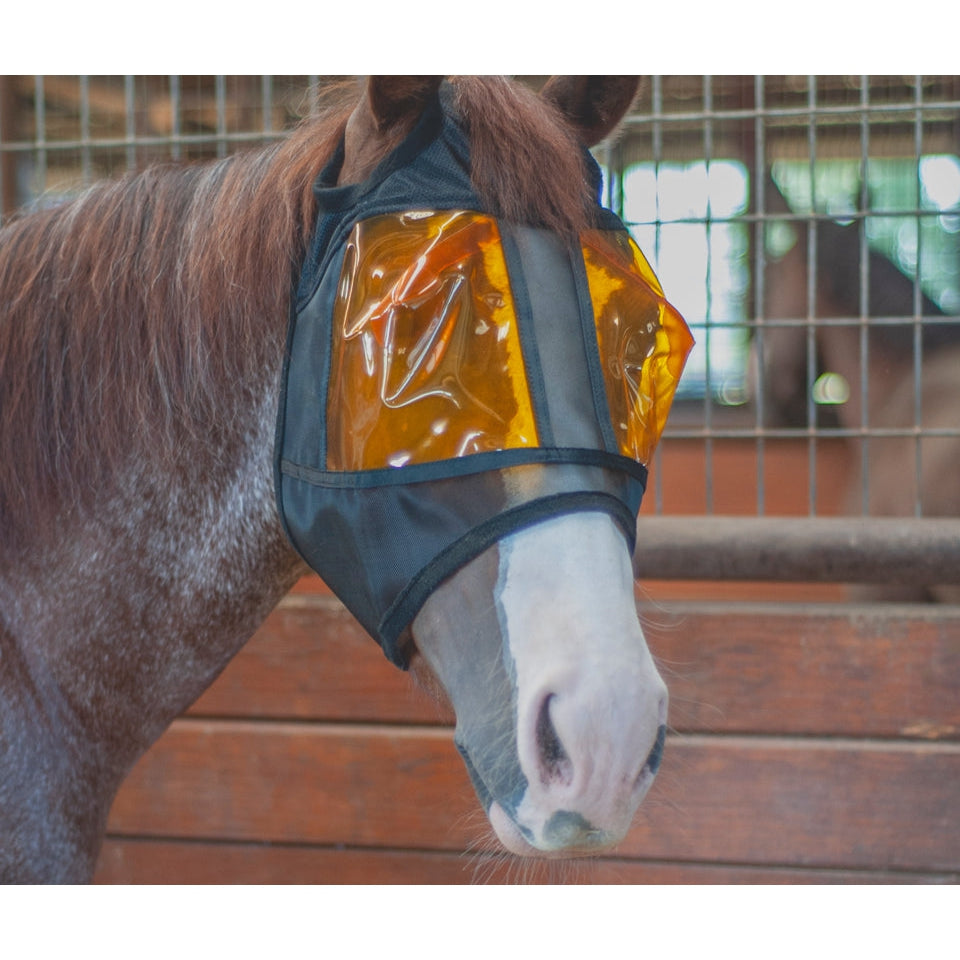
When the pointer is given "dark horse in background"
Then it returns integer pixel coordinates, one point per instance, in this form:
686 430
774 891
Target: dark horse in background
142 332
887 369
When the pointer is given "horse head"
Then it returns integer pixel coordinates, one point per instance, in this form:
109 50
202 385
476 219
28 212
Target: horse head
468 473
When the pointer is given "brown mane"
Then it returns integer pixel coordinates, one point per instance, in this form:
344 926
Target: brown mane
127 314
527 163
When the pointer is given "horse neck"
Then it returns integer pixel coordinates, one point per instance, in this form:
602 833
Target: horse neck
135 593
160 584
110 633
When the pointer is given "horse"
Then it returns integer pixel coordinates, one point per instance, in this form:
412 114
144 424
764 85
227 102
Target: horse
143 335
876 368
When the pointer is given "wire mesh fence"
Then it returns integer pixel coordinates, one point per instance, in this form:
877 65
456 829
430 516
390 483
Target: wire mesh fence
807 227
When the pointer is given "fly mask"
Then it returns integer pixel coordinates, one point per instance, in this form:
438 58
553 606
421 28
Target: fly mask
451 377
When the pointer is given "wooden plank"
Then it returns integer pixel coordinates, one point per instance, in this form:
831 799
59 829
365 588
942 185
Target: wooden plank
742 591
823 803
744 800
844 670
312 660
875 671
293 782
177 862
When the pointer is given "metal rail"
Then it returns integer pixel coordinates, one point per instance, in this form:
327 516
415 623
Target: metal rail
892 550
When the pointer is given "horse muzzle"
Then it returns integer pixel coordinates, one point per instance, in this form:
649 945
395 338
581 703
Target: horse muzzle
588 757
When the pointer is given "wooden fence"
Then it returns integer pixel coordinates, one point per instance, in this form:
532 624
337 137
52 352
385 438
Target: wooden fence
809 743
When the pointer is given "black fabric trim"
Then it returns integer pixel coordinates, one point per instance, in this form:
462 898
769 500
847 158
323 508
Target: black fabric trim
588 326
528 341
594 176
325 362
330 174
282 421
608 220
408 603
463 466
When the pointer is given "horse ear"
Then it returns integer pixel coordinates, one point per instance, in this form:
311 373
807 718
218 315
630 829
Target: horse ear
389 107
393 100
593 106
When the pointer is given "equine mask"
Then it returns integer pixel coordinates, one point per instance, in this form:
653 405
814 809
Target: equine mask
451 378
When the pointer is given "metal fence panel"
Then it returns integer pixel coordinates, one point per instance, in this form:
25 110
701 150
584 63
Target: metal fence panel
808 227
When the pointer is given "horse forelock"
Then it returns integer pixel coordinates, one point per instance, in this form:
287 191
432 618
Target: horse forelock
527 164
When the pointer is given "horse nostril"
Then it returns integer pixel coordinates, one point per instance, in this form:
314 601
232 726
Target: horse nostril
555 764
656 754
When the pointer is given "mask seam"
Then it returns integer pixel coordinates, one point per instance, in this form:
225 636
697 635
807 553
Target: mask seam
527 330
588 331
461 467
